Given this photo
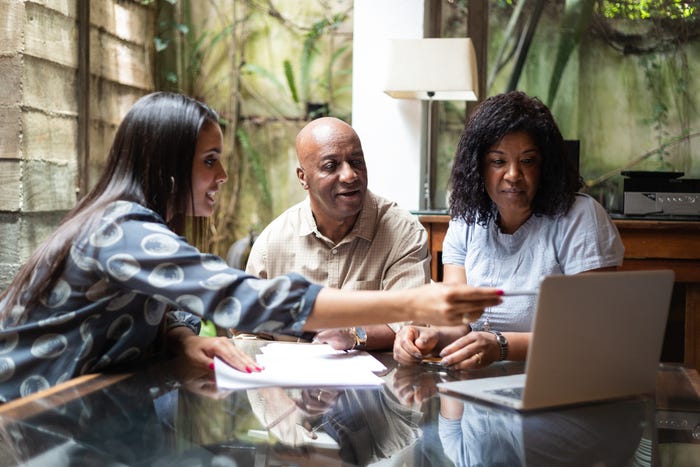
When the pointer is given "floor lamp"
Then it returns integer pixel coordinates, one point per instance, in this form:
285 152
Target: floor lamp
434 69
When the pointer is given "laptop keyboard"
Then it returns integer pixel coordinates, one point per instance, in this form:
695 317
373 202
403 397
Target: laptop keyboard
512 393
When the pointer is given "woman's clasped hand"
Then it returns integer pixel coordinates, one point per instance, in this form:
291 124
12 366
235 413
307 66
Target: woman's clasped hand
470 351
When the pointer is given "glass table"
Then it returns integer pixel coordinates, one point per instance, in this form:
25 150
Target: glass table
166 414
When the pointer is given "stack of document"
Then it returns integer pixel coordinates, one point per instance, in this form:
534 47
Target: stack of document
301 365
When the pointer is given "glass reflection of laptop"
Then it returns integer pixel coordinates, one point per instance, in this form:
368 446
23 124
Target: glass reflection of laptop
596 336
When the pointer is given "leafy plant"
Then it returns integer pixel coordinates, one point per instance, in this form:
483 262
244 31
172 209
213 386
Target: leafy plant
256 164
309 53
648 9
305 89
200 49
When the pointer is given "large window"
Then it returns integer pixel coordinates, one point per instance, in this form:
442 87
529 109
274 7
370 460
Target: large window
616 75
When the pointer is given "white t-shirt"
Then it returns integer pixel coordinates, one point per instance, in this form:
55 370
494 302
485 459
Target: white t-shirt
583 239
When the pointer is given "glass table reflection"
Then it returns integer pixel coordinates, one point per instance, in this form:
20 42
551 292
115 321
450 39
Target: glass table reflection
165 414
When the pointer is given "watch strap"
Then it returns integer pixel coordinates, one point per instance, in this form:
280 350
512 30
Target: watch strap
502 345
360 336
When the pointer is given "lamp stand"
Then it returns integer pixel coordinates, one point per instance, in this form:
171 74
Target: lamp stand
427 185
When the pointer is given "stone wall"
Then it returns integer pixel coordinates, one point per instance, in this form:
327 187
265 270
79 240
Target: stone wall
40 95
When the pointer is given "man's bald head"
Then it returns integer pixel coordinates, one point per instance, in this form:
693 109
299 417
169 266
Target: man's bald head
320 132
332 169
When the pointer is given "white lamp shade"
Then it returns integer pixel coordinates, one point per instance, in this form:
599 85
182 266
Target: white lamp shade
444 66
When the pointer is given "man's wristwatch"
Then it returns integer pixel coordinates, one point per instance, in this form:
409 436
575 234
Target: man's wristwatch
360 336
502 344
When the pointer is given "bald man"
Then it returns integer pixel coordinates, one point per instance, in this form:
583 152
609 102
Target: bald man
342 235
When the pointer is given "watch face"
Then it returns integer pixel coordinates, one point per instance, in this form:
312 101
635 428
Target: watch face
361 333
503 344
500 338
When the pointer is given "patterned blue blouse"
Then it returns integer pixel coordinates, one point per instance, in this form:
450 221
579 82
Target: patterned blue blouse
119 280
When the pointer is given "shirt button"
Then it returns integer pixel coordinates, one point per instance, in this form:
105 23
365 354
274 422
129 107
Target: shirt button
334 251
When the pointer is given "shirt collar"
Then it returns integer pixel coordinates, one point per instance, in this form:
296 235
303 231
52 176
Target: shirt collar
364 225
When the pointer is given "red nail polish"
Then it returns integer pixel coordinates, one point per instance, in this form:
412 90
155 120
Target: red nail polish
248 369
211 366
499 292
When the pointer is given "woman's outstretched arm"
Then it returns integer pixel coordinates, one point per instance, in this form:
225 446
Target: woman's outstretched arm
438 303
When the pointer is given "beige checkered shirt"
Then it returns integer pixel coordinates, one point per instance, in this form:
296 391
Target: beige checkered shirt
387 248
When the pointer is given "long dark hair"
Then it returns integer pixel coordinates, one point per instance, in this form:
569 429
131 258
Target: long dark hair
150 163
496 117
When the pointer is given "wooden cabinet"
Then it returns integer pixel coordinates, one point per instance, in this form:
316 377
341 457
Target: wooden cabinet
436 225
648 245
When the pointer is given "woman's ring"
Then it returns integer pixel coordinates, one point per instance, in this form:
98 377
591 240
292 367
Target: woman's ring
478 358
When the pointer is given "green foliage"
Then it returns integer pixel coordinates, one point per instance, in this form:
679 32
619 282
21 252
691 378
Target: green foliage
648 9
337 55
653 74
505 3
256 164
254 69
160 43
169 33
180 54
289 75
666 79
302 85
200 48
575 22
309 53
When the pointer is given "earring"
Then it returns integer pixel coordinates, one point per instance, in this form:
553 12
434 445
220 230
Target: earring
172 185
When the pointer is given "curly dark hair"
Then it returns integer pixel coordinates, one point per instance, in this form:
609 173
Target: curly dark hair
496 117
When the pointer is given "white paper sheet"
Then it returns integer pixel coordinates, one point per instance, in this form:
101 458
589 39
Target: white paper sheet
300 365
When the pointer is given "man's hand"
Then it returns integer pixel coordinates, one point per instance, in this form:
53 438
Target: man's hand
412 343
338 338
411 389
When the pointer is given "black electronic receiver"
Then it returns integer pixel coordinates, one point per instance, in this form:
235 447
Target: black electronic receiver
660 194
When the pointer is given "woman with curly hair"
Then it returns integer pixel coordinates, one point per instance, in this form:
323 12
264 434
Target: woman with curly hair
516 217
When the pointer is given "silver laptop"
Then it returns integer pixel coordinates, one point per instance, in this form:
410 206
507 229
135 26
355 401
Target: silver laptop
596 336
